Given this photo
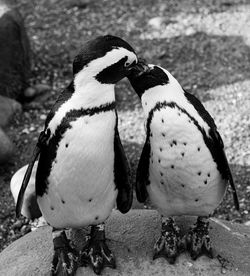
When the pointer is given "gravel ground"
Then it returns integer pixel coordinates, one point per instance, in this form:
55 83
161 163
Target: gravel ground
204 44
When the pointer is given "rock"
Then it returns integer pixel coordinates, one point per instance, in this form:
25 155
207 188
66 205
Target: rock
14 52
6 147
131 237
36 90
29 93
30 208
8 107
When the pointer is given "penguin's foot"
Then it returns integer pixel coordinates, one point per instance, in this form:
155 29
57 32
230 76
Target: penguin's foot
198 241
169 244
65 260
96 252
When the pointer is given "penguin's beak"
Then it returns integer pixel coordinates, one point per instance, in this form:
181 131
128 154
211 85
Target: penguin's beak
138 69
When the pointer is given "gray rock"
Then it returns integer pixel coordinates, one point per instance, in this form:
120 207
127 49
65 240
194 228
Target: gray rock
131 237
8 107
36 90
6 147
14 52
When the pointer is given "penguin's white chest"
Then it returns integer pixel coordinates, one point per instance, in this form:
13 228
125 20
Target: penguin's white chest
184 179
81 188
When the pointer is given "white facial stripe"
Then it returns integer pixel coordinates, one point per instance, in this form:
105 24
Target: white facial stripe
172 92
97 65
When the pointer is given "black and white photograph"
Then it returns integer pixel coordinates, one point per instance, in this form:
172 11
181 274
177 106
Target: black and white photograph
124 137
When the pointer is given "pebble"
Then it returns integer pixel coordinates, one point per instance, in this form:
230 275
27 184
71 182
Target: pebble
29 92
25 131
32 128
43 117
25 229
36 90
17 225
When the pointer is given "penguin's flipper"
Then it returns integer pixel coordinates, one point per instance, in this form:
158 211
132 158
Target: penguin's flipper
215 144
122 172
226 172
41 141
142 173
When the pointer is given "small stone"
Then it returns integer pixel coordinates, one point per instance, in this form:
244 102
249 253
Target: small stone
17 225
25 131
41 88
247 223
43 117
32 128
25 229
29 92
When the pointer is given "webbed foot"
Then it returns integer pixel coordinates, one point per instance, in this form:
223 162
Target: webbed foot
198 241
96 252
65 259
169 244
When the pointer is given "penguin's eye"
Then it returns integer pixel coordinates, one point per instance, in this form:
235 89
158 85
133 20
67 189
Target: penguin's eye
127 64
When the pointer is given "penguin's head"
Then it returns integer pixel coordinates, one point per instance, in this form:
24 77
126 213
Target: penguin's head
107 59
145 76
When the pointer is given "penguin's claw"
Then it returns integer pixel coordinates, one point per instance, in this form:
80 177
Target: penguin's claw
169 244
97 254
198 242
65 259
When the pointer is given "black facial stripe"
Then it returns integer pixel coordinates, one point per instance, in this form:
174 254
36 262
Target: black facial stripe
207 139
112 72
48 155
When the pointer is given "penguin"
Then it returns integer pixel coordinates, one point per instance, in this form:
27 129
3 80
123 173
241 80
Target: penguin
183 169
30 208
82 170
